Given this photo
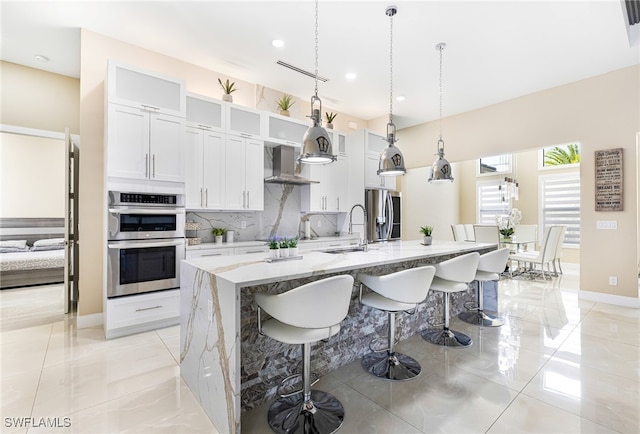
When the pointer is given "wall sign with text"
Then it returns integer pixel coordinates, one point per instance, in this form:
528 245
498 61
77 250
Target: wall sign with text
608 165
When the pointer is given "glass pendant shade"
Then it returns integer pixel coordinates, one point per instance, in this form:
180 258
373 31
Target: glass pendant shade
441 169
316 143
391 160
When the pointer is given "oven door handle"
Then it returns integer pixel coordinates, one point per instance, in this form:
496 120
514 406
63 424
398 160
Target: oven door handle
143 244
146 211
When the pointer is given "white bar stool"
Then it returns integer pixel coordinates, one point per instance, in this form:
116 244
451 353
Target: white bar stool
452 275
489 267
393 293
303 315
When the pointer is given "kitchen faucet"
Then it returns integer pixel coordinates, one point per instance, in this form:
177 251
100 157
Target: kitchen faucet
365 224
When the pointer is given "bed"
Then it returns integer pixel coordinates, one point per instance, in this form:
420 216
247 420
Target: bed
31 251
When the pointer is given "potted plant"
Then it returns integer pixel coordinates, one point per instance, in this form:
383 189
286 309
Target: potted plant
426 234
228 88
284 103
274 247
284 248
218 233
328 119
293 246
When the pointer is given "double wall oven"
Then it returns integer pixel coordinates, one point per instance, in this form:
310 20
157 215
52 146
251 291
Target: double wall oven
145 242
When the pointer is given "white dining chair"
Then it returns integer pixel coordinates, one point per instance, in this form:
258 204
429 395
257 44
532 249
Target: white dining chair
459 234
486 234
544 256
558 255
526 233
468 229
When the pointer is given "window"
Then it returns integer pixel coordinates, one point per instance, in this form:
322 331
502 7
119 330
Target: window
491 202
496 165
560 205
560 156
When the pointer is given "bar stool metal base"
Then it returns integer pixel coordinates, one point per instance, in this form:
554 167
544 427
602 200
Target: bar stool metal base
393 367
480 318
447 338
291 415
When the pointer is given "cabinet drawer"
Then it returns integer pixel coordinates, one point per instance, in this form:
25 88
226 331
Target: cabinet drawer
209 252
254 249
144 308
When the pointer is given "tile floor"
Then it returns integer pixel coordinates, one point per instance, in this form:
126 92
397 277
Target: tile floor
558 365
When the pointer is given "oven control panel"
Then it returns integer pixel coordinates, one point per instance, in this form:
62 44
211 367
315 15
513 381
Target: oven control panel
145 199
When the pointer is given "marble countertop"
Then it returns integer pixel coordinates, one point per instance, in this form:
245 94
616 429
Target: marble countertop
206 246
248 270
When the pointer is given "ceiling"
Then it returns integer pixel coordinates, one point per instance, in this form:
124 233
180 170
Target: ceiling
496 50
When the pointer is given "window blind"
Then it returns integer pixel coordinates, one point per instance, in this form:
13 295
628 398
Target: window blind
560 205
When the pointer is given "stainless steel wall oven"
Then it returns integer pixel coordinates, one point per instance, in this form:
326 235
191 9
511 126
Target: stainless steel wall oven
145 242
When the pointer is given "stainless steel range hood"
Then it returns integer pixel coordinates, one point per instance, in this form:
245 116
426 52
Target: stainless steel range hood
284 168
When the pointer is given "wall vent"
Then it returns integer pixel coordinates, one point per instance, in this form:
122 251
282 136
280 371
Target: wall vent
633 11
301 71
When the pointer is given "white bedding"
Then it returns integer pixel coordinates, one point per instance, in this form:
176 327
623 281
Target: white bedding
31 260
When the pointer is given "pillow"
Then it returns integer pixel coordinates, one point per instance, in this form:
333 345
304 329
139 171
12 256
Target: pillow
13 244
13 249
49 242
43 248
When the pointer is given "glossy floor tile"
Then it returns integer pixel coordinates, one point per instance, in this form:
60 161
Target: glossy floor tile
558 365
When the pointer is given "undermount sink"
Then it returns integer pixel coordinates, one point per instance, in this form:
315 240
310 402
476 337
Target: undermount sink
344 250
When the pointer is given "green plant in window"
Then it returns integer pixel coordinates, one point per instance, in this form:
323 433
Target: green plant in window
559 156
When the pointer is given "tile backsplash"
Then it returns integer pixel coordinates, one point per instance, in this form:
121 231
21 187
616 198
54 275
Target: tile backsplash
281 216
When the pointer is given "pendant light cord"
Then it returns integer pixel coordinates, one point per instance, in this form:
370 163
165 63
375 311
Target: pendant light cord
316 76
440 48
391 69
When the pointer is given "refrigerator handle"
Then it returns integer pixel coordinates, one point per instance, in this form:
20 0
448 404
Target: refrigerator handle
390 216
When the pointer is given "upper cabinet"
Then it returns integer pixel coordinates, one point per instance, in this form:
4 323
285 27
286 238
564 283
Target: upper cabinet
243 121
205 113
150 91
143 144
339 142
282 130
144 124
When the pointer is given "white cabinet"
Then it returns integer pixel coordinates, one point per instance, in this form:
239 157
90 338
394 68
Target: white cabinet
135 87
282 130
339 142
137 313
330 194
204 168
243 121
250 249
143 144
244 180
224 251
205 113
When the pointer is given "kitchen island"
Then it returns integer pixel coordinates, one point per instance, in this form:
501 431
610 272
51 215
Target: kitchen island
229 367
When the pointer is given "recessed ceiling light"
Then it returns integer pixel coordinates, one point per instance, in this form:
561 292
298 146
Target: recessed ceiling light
41 58
278 43
351 75
400 98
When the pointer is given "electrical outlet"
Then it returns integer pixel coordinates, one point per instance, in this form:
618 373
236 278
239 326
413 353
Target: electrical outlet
210 310
319 223
243 224
613 281
607 224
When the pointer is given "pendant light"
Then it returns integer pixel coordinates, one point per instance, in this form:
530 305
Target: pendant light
316 144
441 169
391 159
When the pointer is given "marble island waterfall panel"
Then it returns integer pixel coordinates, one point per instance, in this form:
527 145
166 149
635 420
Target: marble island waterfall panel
265 362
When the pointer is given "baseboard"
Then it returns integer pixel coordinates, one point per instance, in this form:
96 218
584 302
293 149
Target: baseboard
85 321
617 300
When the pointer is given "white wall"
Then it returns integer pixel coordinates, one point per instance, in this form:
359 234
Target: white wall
31 176
434 205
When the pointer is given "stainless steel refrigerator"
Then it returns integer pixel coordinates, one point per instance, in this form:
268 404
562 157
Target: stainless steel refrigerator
384 212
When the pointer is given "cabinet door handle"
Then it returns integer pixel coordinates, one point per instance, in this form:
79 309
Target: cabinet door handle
244 199
206 197
246 135
211 254
146 165
248 199
254 251
150 108
201 201
148 308
338 199
206 127
153 159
